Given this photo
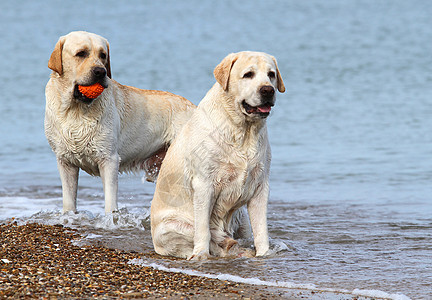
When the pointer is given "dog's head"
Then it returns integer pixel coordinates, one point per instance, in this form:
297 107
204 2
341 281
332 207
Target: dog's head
250 79
81 58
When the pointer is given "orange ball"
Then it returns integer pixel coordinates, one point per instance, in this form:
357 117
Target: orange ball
91 91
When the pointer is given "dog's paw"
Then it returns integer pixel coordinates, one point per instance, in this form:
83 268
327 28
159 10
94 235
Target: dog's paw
248 253
228 243
202 255
237 251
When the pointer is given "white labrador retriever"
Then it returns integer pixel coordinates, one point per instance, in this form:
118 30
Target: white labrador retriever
122 129
219 164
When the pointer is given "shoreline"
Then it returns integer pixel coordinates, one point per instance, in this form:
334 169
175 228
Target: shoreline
41 261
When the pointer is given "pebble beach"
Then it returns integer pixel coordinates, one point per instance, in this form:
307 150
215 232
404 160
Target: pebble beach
45 262
41 261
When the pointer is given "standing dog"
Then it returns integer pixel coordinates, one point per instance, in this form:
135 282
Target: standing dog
122 129
218 164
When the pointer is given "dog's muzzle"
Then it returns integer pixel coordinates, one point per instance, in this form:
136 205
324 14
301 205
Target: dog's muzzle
267 99
98 75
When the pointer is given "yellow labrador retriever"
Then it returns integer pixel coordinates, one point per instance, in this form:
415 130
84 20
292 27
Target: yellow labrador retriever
218 165
122 129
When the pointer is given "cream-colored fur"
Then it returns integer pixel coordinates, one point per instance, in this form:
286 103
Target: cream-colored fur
123 129
219 165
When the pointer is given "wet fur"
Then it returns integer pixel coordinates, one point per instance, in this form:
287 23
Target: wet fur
125 129
216 172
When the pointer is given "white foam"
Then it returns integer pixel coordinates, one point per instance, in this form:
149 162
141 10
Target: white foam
280 284
123 219
379 294
19 206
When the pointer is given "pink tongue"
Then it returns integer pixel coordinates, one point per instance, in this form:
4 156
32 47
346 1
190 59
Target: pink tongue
264 108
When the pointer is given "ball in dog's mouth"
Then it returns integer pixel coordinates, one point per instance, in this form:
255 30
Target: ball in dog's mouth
262 110
87 93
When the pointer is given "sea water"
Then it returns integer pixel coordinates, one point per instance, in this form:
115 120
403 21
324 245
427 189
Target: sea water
350 205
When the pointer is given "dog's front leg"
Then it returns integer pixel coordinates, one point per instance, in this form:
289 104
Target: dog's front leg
109 169
202 205
257 209
69 178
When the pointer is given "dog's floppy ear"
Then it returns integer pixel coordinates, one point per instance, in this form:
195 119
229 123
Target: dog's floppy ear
223 70
108 64
280 84
55 61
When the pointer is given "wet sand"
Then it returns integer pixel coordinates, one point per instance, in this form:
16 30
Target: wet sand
40 261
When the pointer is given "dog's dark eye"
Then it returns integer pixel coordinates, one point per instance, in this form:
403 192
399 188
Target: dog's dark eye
81 54
271 74
249 74
102 56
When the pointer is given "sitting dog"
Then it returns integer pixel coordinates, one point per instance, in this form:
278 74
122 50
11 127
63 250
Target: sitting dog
218 165
120 129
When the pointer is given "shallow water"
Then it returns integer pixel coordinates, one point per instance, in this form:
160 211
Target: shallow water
350 205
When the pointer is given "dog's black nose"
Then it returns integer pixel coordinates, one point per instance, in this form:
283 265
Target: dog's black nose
267 91
99 72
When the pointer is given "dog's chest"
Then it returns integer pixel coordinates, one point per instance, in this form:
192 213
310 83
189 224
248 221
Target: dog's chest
79 138
238 178
83 144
